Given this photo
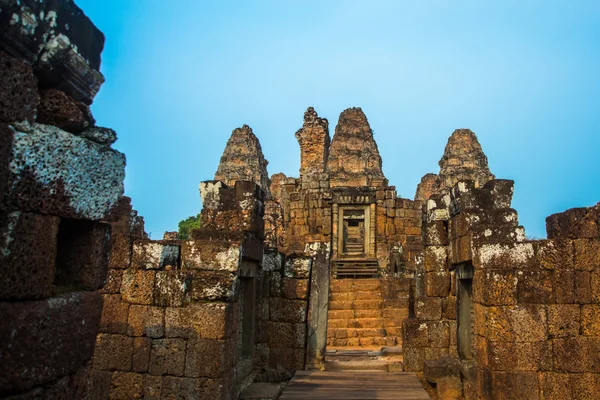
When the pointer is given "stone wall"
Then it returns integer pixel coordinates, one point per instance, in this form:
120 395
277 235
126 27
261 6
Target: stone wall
59 179
533 306
177 313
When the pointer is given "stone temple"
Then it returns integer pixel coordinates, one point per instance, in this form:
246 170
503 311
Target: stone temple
327 271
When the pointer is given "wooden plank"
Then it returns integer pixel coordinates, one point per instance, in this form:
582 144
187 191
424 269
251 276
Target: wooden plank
350 385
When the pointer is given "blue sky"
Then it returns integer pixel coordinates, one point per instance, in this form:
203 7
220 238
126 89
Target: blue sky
523 75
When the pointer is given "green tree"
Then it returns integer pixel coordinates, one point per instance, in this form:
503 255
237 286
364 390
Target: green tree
186 226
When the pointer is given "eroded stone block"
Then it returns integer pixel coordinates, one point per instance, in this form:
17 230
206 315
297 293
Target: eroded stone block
167 357
27 274
146 321
46 339
55 172
113 352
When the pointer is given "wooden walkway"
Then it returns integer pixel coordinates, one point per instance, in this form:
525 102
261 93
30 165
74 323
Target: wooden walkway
357 385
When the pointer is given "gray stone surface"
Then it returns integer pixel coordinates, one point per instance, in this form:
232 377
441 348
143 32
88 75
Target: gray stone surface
99 135
54 172
318 304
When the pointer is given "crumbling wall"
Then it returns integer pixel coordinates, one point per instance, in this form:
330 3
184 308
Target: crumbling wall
533 303
243 160
176 313
59 178
314 142
463 159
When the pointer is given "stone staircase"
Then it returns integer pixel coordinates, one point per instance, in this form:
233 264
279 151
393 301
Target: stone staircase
364 325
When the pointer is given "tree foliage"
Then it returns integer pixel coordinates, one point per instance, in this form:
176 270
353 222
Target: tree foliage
186 226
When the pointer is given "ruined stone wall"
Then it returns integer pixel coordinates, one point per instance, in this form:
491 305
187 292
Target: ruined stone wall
533 307
283 306
463 159
59 178
175 312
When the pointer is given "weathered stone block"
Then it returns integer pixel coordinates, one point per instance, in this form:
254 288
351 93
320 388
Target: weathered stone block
595 284
280 335
587 254
126 385
555 386
515 385
192 388
449 388
449 308
517 356
137 286
505 256
272 260
428 308
113 352
114 315
529 323
439 334
19 97
535 287
571 354
218 256
523 323
149 254
554 254
46 339
152 387
113 282
572 287
436 233
214 286
436 258
202 321
563 320
58 109
120 251
437 284
415 333
100 135
285 310
590 320
167 357
297 267
146 321
299 336
207 358
55 172
295 288
585 386
175 288
141 354
275 284
574 223
27 274
99 385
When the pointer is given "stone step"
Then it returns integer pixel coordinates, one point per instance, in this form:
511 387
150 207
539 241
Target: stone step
355 295
358 323
371 365
351 285
356 305
364 342
344 333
